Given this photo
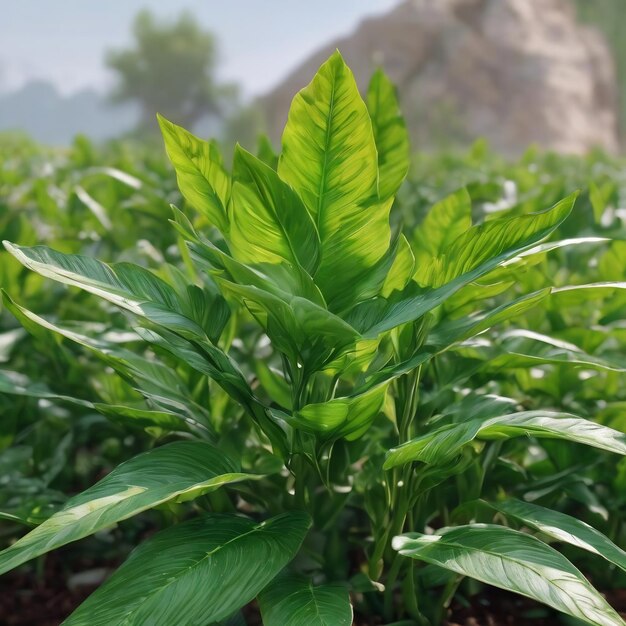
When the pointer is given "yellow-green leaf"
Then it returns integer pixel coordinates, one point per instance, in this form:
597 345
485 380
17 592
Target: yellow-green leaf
201 177
329 157
390 134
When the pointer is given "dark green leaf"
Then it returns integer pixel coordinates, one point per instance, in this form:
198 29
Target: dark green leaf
198 572
181 470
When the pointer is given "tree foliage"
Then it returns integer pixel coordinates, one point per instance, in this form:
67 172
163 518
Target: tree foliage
170 69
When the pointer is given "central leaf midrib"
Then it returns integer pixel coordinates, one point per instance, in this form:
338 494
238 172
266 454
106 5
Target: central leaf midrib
329 122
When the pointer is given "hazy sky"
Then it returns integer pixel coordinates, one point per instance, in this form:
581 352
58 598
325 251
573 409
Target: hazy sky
260 40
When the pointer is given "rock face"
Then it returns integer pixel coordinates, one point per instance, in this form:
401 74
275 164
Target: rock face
513 71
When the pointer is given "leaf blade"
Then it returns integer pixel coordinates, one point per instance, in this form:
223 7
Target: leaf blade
390 134
177 470
262 203
201 178
166 578
329 157
512 561
563 528
296 602
443 444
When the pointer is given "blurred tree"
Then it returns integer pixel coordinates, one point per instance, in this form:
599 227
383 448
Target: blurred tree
170 70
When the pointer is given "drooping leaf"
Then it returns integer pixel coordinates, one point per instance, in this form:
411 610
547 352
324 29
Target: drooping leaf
94 206
156 382
452 331
549 246
520 348
142 417
443 444
181 470
390 134
128 286
201 177
139 291
563 528
197 572
20 385
293 601
346 417
513 561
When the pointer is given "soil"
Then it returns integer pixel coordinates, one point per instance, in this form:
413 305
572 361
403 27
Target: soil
46 598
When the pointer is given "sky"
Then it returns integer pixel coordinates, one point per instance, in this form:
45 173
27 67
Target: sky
260 41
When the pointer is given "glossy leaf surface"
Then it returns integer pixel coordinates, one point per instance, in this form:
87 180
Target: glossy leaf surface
197 572
513 561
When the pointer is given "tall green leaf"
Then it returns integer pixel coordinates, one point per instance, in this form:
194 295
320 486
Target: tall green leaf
401 269
197 572
390 134
179 471
269 221
329 157
513 561
201 177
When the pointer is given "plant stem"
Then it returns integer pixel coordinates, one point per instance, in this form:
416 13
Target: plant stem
390 584
447 595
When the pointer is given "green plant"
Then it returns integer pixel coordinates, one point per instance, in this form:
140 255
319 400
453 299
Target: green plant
304 371
108 201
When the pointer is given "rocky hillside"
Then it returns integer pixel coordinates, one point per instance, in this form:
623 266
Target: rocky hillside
513 71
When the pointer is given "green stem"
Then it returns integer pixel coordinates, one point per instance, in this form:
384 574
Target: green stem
410 596
390 584
447 595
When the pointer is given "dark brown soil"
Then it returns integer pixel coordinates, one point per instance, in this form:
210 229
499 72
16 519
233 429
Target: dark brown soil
46 598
